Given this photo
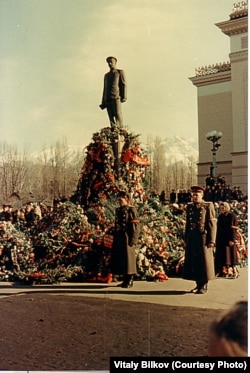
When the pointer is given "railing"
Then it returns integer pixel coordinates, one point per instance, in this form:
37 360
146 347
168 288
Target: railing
240 9
213 69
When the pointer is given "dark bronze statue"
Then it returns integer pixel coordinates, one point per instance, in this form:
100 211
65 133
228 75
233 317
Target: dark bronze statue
114 92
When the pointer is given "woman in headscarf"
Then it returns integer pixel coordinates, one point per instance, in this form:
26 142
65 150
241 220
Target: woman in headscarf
226 256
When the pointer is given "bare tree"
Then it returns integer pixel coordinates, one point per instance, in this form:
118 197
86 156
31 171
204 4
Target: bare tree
54 173
13 170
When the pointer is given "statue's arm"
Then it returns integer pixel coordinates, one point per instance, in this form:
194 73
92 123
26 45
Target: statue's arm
123 86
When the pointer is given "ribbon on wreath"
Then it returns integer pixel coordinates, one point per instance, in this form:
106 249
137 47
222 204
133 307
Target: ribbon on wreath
130 156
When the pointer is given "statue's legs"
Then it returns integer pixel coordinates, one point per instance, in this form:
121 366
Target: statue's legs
115 113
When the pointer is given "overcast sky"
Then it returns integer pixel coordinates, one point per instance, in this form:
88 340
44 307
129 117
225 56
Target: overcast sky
52 63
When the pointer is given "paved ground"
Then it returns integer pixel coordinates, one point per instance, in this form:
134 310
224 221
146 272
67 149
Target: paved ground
64 327
222 293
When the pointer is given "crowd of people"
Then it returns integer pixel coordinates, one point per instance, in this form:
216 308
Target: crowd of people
215 190
27 216
218 190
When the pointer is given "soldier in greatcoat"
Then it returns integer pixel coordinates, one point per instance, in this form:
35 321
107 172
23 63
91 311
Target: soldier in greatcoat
126 234
200 237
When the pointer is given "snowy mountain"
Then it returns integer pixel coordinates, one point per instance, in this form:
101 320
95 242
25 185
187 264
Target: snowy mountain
179 149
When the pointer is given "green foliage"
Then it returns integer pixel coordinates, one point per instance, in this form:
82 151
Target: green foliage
73 242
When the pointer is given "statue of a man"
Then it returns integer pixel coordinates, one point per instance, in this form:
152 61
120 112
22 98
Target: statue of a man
114 92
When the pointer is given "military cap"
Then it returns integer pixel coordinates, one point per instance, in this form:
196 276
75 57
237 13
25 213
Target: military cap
197 188
110 57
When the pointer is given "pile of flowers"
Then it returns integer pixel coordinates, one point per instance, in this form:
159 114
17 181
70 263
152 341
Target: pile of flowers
114 160
73 242
71 248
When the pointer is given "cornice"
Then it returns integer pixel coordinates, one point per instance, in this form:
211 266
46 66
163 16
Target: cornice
218 162
239 153
234 27
238 56
203 80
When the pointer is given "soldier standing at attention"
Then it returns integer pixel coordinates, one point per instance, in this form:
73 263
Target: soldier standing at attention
200 236
126 234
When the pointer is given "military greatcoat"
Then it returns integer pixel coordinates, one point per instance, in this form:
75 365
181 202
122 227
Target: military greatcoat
126 235
200 230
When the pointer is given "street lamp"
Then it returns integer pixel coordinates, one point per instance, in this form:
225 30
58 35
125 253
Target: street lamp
214 136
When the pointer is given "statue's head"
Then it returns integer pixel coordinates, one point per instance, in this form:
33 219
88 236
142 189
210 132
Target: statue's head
110 58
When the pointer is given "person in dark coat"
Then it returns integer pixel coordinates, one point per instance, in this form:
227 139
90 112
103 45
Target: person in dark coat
172 196
200 236
6 214
114 92
126 234
226 258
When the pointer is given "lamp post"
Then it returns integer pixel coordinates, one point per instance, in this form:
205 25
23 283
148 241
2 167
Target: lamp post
214 136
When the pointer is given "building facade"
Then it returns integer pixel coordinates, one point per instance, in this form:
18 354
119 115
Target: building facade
222 99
